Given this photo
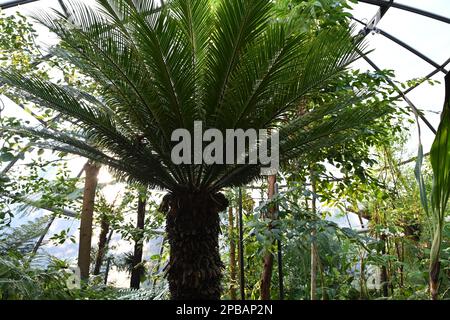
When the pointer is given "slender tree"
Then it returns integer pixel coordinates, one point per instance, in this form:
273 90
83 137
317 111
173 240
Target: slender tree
314 256
102 244
108 259
232 236
136 268
228 64
241 249
266 276
84 250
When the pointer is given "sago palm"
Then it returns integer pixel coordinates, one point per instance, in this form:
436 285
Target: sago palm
228 64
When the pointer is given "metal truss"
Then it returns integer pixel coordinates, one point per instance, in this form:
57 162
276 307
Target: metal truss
371 26
12 4
389 4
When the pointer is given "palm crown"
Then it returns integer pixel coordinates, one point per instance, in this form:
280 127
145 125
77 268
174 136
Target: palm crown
159 68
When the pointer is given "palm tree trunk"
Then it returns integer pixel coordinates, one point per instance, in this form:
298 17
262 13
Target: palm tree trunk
102 240
231 232
268 258
84 249
193 226
137 269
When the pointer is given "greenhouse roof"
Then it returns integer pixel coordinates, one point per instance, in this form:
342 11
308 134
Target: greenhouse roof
5 4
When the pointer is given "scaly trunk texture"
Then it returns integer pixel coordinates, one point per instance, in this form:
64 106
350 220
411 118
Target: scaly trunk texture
231 232
102 240
193 226
137 269
84 249
266 276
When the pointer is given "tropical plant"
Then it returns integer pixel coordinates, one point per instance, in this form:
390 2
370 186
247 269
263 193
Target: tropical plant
229 64
436 206
22 238
19 280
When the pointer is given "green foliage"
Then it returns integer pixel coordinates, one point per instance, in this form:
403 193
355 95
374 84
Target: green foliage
143 294
19 281
17 46
310 15
23 238
436 207
440 162
245 67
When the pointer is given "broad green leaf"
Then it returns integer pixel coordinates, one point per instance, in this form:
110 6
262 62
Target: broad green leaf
440 162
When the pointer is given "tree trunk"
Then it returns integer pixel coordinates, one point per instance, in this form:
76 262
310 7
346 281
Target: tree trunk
102 240
400 255
241 264
232 254
313 242
434 280
84 249
266 276
313 267
193 226
137 268
384 275
108 260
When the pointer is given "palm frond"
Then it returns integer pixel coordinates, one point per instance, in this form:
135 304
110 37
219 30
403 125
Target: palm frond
230 64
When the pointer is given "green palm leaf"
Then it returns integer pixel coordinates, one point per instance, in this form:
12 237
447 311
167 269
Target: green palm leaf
157 69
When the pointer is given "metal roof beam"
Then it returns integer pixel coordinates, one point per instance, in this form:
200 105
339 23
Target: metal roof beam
379 15
396 88
408 8
439 68
409 48
13 4
431 74
371 26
